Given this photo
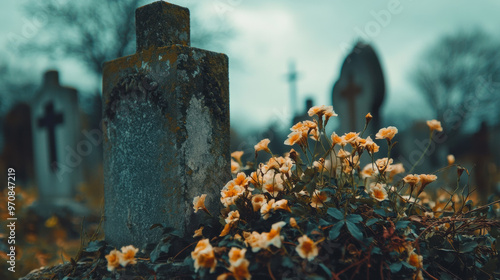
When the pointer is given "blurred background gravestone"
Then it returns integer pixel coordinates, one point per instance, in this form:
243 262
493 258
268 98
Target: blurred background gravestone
359 90
17 149
57 154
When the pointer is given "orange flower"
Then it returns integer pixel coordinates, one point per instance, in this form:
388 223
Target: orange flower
343 154
368 117
350 137
293 223
235 167
255 240
282 204
257 201
237 155
226 229
262 145
199 203
296 137
306 249
198 232
425 179
273 237
113 259
236 255
240 271
286 166
338 140
128 255
273 183
304 126
383 164
255 178
232 217
316 110
411 179
371 146
434 125
415 260
230 193
369 171
241 179
395 169
386 133
322 110
265 210
318 199
203 256
451 159
378 191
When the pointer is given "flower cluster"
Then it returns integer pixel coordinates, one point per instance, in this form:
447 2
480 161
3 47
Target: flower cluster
121 258
330 202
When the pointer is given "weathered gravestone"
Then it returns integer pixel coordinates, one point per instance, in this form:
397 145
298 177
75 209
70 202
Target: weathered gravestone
359 90
166 129
55 129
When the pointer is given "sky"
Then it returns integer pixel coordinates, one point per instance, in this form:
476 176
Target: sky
316 35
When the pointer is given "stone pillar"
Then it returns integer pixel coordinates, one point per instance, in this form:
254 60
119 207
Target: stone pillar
166 129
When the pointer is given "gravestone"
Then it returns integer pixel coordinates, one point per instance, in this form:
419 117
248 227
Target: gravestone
17 149
359 90
166 130
55 128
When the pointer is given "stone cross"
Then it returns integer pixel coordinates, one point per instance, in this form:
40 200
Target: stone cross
350 93
359 90
55 124
50 120
292 77
166 130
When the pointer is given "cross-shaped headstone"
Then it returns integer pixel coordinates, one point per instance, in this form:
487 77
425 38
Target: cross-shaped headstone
56 132
350 92
360 89
50 120
166 129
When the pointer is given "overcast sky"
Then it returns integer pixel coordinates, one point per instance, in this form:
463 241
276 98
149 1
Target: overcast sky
317 36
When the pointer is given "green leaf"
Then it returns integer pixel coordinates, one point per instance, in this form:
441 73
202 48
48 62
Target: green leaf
298 187
380 212
334 212
354 230
468 247
407 265
335 230
328 272
354 218
324 223
376 251
372 221
287 262
402 224
311 186
395 267
95 246
445 276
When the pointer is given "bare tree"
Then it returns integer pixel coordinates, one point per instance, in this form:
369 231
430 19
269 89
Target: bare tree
95 31
16 85
460 77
